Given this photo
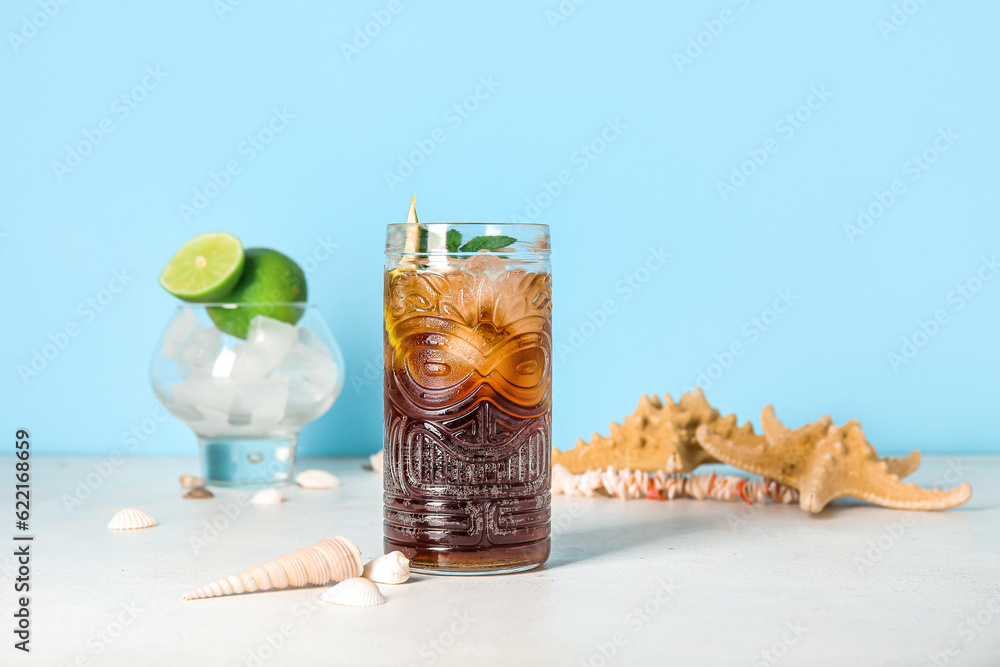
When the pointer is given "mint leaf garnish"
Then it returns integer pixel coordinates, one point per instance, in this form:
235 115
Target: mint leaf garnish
491 243
453 239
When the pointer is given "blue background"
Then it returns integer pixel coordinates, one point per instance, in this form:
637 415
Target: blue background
322 180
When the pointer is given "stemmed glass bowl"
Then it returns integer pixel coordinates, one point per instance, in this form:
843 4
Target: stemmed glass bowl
246 378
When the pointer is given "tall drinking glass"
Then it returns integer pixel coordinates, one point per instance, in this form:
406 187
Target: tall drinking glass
467 396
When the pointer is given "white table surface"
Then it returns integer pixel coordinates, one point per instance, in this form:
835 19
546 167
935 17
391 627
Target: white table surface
721 584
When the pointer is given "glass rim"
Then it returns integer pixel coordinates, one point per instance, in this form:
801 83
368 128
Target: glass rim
231 305
470 224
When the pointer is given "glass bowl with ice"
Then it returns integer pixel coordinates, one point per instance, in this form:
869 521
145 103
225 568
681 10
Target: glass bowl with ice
246 378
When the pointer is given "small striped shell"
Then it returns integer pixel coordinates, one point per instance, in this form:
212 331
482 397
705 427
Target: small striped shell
131 519
328 560
357 592
317 479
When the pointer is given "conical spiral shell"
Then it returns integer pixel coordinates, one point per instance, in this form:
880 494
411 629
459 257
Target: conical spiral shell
358 592
131 519
328 560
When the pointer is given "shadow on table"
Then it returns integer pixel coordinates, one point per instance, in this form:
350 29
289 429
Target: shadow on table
573 546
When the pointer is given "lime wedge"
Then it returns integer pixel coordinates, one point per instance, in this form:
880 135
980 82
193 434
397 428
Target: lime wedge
270 282
206 268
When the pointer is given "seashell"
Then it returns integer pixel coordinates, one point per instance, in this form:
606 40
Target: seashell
190 482
328 560
270 496
392 568
131 519
317 479
357 592
376 461
198 494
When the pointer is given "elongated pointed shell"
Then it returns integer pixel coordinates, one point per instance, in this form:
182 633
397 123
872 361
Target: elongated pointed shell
392 568
131 519
317 479
357 592
328 560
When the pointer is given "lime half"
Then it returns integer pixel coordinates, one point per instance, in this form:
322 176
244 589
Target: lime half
269 282
206 268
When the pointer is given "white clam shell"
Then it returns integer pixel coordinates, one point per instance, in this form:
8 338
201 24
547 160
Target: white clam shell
357 592
392 568
270 496
317 479
131 519
376 461
190 482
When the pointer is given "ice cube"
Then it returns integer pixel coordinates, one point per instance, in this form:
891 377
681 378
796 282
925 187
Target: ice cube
304 363
206 392
200 347
223 366
313 342
272 337
269 394
179 328
212 424
263 402
306 402
251 362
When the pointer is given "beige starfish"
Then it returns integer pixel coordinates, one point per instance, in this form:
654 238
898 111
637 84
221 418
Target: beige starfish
825 461
659 436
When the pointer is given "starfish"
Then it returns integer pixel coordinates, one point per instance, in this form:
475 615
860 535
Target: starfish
825 461
658 437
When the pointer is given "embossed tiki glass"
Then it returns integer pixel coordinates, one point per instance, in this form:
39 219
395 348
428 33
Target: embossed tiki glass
467 403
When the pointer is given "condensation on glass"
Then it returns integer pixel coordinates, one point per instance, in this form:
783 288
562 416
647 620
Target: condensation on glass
467 398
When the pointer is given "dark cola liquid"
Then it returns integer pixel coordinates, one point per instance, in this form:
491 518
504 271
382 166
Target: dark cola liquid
467 423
